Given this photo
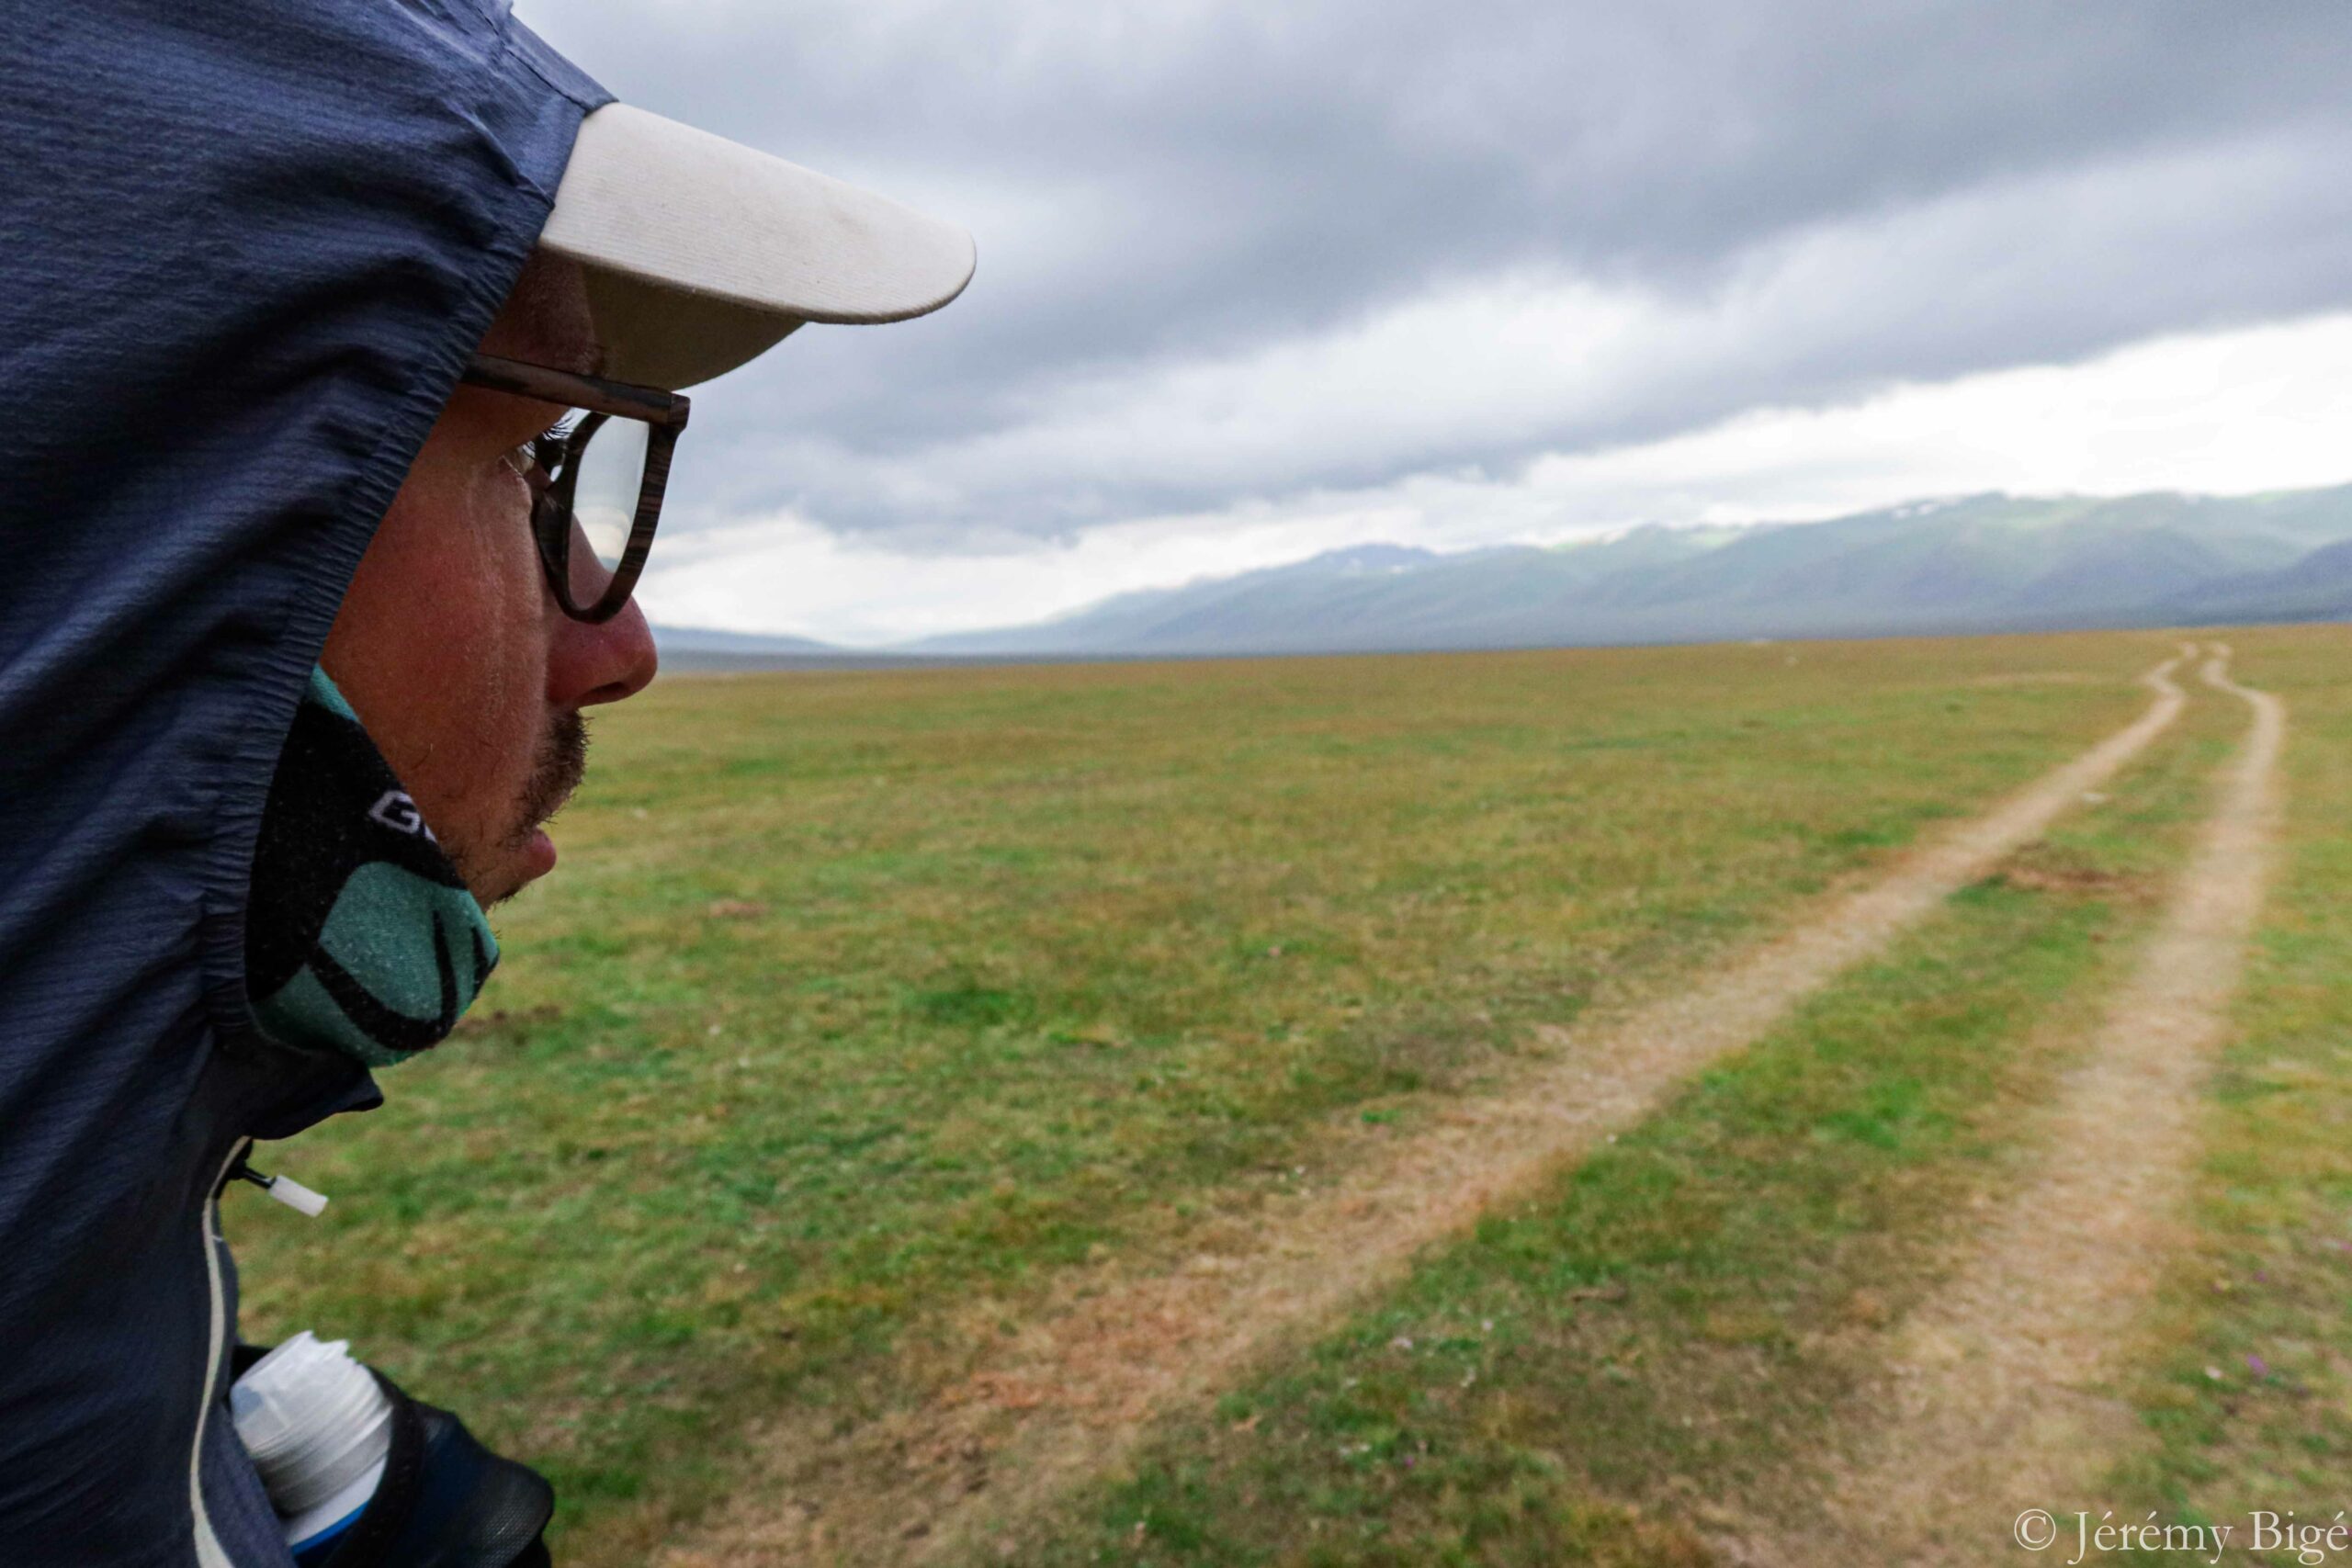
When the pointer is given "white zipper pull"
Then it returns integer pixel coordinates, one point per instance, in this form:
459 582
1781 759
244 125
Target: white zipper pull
295 1196
286 1189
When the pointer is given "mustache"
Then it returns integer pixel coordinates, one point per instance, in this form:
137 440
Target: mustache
561 763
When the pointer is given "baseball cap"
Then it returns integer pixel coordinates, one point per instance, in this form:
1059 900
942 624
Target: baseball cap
701 253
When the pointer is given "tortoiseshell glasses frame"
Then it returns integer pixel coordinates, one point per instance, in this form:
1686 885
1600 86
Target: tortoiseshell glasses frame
571 563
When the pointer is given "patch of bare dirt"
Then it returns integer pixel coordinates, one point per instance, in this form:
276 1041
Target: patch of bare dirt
2037 678
735 910
513 1026
2000 1396
2042 868
1014 1423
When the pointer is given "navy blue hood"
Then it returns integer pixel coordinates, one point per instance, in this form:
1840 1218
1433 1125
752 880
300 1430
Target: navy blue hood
248 248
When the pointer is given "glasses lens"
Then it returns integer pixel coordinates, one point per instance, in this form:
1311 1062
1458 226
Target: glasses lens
611 470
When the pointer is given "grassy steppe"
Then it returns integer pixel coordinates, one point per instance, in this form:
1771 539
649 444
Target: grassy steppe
1653 1358
860 995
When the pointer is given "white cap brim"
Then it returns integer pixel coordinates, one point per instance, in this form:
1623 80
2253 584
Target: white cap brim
700 252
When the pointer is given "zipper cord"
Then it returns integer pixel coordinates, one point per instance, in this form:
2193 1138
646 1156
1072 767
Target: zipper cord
208 1550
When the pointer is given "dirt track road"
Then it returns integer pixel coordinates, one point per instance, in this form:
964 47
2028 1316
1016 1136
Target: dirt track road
1028 1418
1998 1400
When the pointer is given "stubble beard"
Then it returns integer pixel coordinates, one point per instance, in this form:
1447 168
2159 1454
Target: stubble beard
556 772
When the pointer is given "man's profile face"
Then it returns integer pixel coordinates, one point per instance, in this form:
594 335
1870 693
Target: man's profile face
450 646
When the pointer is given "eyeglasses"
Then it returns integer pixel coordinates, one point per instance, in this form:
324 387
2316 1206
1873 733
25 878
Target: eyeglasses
593 510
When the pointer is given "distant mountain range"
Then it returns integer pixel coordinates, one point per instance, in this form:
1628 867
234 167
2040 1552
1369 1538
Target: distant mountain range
701 649
702 640
1984 563
1981 563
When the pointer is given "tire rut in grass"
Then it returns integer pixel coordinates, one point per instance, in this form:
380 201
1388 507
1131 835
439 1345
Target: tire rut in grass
1068 1396
1999 1398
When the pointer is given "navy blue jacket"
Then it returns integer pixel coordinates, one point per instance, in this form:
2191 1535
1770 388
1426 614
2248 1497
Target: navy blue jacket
246 249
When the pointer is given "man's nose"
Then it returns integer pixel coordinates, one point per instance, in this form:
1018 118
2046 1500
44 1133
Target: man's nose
603 663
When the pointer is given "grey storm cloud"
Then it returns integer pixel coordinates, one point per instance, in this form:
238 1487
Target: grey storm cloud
1164 187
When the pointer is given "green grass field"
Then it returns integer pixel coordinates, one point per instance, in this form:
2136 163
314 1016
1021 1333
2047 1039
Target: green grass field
862 998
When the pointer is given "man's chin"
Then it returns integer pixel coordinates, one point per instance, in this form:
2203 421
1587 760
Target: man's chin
534 858
528 860
538 857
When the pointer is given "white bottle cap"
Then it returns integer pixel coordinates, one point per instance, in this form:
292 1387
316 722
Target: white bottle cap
316 1423
303 1527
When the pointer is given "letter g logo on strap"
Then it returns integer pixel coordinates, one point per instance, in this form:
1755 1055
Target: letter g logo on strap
398 812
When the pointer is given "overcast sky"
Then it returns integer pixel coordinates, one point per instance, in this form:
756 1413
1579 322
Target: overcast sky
1261 279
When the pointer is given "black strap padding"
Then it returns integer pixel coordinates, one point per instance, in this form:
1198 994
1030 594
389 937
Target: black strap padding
446 1501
